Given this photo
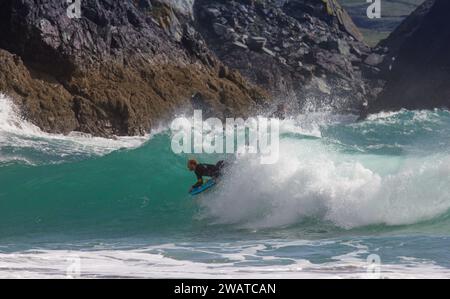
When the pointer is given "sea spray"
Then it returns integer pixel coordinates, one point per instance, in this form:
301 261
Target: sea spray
21 140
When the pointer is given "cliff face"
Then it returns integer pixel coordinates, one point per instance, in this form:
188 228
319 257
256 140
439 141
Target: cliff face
307 52
393 13
126 65
417 61
117 70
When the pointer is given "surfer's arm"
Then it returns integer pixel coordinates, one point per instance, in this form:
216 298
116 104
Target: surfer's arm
199 182
199 175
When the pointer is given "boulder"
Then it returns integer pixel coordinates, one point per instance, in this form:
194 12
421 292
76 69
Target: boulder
256 43
417 65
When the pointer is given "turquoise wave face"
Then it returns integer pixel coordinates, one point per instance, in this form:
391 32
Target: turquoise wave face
335 176
128 191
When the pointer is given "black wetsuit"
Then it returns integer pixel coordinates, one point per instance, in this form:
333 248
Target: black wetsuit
209 170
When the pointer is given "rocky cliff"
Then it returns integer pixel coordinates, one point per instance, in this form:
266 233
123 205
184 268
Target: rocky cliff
119 69
126 65
416 61
306 52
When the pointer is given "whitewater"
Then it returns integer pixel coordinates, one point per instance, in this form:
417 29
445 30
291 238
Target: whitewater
344 191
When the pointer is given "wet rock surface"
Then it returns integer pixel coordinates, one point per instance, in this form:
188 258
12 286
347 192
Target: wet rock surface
308 53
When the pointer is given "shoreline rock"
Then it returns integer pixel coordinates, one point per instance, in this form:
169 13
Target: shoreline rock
118 70
416 66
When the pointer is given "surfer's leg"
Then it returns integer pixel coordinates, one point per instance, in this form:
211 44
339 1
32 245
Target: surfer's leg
220 164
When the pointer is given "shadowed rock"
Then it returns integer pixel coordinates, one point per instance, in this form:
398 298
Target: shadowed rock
417 63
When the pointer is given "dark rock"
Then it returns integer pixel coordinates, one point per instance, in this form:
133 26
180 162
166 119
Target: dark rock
307 51
145 4
417 66
370 71
256 43
121 67
340 46
219 29
326 10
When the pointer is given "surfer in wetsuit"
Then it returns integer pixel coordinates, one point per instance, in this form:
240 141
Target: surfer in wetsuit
202 170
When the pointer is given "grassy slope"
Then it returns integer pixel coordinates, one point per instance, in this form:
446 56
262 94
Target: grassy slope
393 12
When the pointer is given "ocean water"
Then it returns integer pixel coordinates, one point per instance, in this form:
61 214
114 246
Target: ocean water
347 199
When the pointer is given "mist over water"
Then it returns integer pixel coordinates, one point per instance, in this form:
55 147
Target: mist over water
341 190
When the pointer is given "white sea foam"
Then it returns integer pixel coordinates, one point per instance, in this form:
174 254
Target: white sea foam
157 262
18 133
417 116
312 179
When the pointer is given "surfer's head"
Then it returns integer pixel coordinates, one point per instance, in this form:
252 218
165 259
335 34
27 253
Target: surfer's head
192 164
